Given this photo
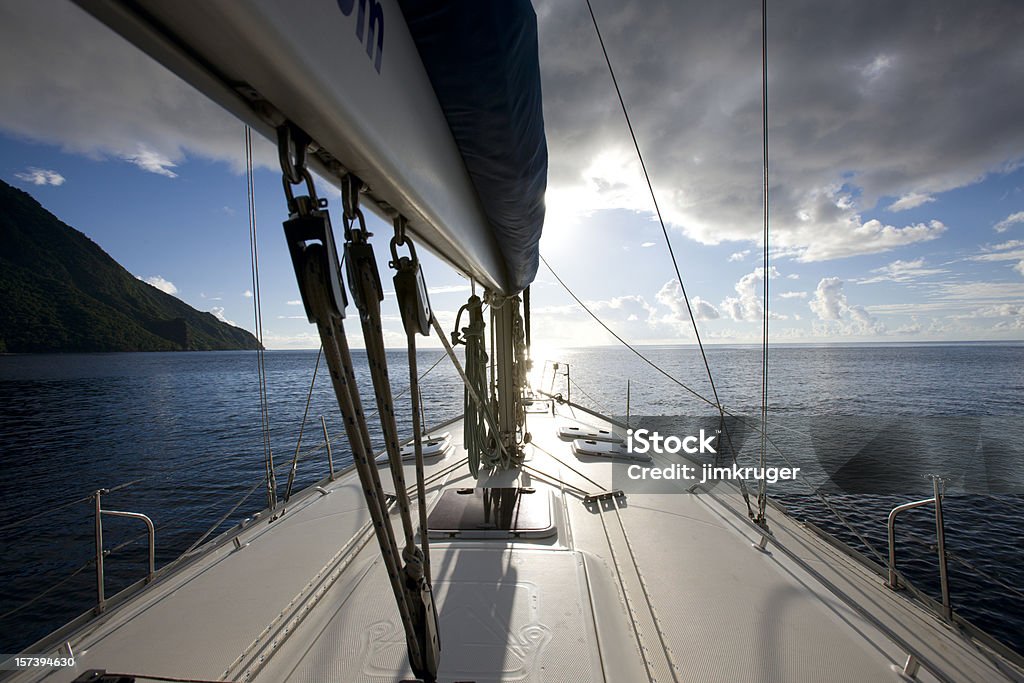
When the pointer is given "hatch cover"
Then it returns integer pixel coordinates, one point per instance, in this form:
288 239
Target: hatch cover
492 513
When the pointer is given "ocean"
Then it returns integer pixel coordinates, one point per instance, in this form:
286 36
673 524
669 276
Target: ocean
182 430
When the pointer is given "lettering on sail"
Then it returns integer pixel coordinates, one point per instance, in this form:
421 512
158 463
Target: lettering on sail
369 26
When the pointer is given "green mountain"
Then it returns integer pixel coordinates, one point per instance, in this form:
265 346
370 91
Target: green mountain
59 292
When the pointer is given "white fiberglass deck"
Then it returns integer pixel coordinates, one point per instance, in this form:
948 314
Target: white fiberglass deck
646 587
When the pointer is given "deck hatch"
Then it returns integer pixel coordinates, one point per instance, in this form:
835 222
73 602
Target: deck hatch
492 513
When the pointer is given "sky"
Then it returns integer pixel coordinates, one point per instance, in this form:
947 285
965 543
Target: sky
896 172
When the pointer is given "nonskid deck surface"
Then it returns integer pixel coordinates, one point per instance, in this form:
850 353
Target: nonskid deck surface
642 587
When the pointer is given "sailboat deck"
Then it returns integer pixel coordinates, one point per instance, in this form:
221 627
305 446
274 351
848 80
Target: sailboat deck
642 587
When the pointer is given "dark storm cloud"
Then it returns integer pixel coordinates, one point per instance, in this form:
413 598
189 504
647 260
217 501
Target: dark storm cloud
867 100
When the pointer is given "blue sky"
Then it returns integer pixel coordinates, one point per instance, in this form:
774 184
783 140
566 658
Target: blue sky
897 186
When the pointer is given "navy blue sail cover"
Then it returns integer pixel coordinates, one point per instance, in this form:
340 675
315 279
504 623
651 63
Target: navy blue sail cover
482 60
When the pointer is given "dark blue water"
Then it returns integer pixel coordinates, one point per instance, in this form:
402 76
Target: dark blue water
185 427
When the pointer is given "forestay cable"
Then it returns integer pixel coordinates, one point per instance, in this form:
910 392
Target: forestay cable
762 487
254 259
657 208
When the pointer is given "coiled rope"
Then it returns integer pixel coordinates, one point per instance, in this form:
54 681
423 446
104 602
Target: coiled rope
478 439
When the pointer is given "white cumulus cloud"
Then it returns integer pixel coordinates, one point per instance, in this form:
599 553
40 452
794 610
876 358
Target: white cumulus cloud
40 176
218 312
671 296
831 305
738 255
747 304
160 283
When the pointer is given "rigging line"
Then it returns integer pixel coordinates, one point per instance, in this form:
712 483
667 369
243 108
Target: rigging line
45 512
624 342
302 427
597 405
956 557
68 504
721 408
409 386
657 208
421 487
716 404
224 518
770 441
49 590
258 322
178 521
762 488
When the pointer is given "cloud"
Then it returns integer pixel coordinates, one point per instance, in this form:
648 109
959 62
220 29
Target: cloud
901 271
40 176
218 312
70 81
633 308
829 300
739 255
1009 221
671 296
1009 244
645 245
854 238
860 111
294 302
160 283
911 201
793 295
152 161
979 293
703 310
831 306
747 305
247 294
1012 250
996 311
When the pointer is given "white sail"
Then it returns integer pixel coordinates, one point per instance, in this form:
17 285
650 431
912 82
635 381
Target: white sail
353 80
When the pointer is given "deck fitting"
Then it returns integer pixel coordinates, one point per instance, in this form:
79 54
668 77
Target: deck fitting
604 495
